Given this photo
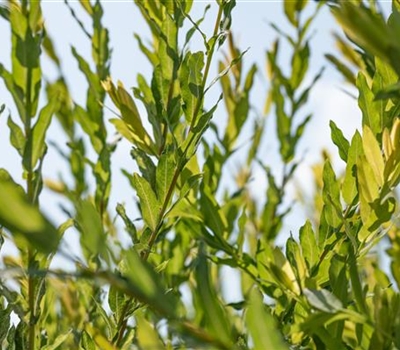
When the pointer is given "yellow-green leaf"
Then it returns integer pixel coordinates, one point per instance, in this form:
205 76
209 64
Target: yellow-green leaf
373 154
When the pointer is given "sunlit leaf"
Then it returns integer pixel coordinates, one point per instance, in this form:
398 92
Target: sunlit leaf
323 300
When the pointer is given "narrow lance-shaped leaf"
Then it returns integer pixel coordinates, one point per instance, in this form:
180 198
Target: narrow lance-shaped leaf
339 140
373 154
323 300
148 201
15 91
299 65
191 78
213 215
371 115
309 245
22 218
39 132
164 175
368 187
168 48
349 187
292 8
17 137
331 196
26 42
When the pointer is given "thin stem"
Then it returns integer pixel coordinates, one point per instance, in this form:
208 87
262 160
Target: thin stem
31 196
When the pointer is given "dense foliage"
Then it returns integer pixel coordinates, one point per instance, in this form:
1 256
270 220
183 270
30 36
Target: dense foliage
325 289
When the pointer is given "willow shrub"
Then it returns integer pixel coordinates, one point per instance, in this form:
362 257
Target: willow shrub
162 289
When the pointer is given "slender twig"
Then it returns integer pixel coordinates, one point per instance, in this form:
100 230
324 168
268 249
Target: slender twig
31 196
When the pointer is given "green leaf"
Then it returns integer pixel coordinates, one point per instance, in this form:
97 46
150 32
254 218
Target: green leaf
296 260
323 300
300 60
203 123
368 189
342 68
386 73
212 213
22 218
373 154
164 175
149 204
151 56
130 126
339 140
92 78
349 187
283 124
191 79
283 272
371 113
11 338
15 91
338 279
308 244
356 283
102 174
129 226
57 342
39 133
87 342
117 301
17 137
167 50
49 49
4 322
261 325
368 186
293 8
271 221
331 196
90 127
314 324
25 59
